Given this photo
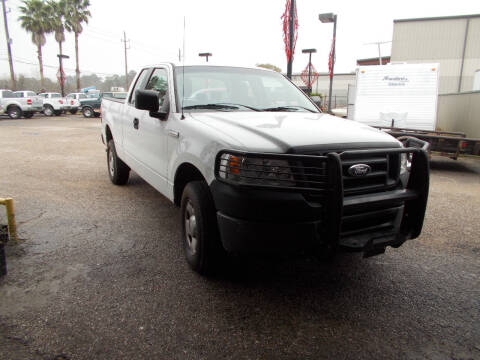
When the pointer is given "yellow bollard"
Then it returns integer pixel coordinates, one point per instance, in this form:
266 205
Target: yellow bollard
12 227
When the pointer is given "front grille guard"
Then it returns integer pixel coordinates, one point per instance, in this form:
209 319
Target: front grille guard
332 187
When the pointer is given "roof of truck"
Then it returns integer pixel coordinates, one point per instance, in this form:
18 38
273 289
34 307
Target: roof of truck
177 64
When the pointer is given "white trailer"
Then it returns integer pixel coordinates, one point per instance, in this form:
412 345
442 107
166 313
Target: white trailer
396 95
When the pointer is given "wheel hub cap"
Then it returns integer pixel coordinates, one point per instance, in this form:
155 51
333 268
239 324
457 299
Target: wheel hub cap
111 164
191 235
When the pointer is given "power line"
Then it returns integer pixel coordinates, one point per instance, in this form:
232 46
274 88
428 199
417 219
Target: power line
26 62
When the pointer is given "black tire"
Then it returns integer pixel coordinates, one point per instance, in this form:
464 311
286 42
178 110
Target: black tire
27 115
87 112
14 112
118 171
73 112
48 110
201 239
58 112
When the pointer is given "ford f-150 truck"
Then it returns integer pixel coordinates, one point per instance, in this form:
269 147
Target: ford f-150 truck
19 103
255 166
53 104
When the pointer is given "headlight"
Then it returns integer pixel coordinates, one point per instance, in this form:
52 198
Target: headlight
255 171
405 165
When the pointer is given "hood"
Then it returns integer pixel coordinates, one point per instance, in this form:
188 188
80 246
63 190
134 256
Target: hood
293 132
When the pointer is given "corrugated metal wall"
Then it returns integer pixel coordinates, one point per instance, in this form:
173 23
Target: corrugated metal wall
441 41
460 113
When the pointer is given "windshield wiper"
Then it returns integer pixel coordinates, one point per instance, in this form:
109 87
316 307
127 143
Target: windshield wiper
287 108
211 106
245 106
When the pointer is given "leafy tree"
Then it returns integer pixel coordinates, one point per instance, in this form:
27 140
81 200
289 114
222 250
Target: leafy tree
270 67
76 14
34 20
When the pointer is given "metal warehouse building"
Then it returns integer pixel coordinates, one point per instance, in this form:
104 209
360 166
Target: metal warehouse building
452 41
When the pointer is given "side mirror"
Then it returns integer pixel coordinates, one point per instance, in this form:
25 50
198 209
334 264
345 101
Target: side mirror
148 100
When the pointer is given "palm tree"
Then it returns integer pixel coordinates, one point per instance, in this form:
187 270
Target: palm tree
35 21
76 13
56 15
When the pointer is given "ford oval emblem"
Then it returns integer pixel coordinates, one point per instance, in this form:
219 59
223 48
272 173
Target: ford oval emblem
359 170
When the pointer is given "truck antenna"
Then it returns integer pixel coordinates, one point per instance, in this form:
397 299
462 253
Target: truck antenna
183 69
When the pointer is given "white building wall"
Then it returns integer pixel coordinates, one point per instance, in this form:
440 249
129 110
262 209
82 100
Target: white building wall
442 41
321 86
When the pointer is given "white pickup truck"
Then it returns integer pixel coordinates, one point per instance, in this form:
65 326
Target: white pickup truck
19 103
255 166
53 103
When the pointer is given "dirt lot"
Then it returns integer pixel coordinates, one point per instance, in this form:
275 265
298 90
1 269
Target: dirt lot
101 273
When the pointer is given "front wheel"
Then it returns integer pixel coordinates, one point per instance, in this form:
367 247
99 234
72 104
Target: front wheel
118 171
87 112
201 240
48 110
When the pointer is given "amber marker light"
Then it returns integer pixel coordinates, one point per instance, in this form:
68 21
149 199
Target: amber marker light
234 164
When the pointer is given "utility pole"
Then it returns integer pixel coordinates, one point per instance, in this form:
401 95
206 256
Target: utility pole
291 38
10 61
378 43
124 40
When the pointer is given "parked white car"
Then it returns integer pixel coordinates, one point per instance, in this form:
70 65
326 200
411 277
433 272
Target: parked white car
73 100
257 167
53 103
20 103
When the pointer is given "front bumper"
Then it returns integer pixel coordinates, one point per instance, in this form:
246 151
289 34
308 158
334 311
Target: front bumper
267 220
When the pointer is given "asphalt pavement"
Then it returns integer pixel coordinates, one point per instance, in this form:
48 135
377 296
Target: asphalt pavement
100 273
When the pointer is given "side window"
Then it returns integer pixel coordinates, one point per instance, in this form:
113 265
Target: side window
159 83
140 81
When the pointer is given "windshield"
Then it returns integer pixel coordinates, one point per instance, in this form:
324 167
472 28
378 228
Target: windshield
209 88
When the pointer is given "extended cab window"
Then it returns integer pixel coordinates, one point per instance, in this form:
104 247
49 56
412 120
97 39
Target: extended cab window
159 82
140 81
8 94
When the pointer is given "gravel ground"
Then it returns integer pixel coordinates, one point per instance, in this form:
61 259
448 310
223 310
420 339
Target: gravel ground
101 274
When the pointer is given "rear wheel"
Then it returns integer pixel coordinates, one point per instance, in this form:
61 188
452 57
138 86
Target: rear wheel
201 240
87 112
28 115
118 171
48 110
14 112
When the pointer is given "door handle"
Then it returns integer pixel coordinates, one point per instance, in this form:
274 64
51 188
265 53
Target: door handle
173 133
135 123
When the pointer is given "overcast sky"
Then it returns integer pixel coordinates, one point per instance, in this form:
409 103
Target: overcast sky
243 32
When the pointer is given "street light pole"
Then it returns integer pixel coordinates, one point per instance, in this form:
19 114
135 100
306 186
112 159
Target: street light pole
333 63
329 18
205 55
291 37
